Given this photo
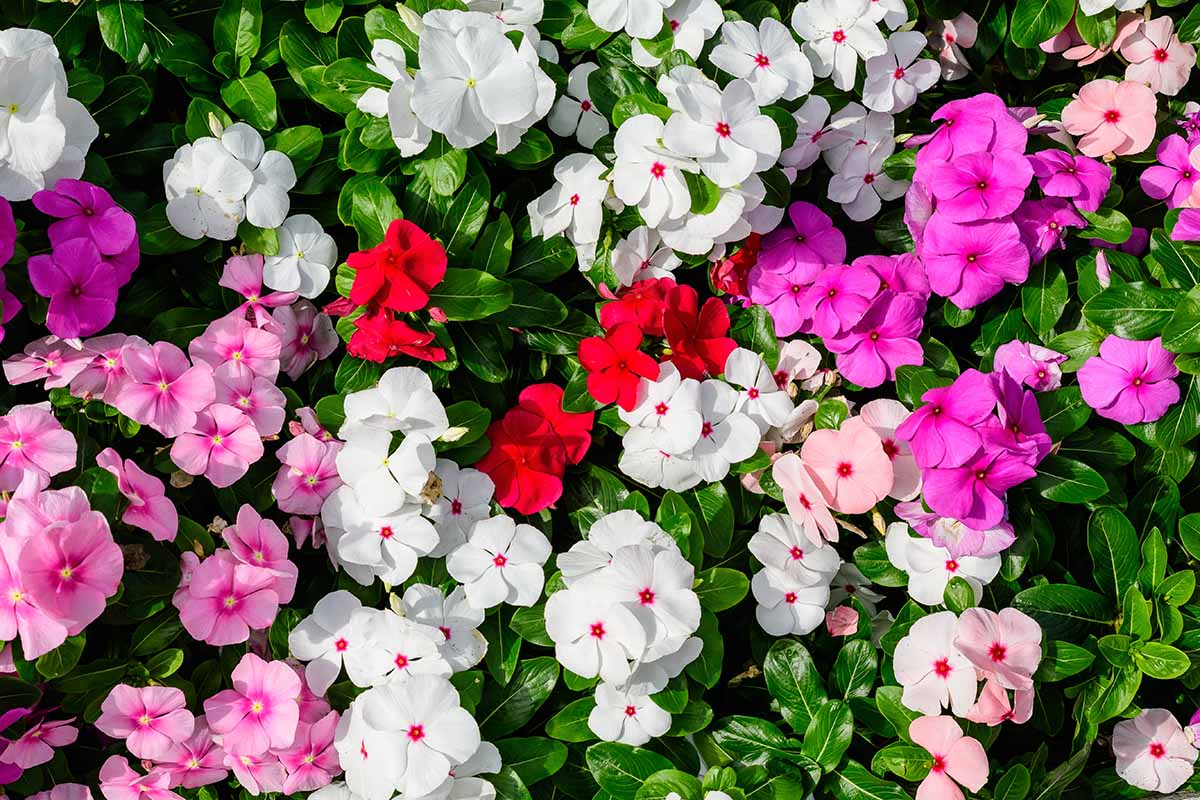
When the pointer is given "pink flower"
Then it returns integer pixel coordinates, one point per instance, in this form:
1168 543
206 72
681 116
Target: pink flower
259 543
1082 180
36 745
70 570
260 712
103 374
1157 58
1018 423
19 614
164 390
1112 117
64 791
958 539
782 293
1187 227
149 508
119 782
243 275
1071 45
848 466
1173 177
969 263
839 298
195 761
230 340
882 340
943 431
255 396
1043 225
1130 381
1007 645
949 38
1153 751
900 273
307 337
224 599
974 492
994 707
81 287
980 186
933 672
48 358
221 446
884 416
811 239
308 475
151 719
311 762
957 759
804 500
841 621
1032 365
32 441
257 774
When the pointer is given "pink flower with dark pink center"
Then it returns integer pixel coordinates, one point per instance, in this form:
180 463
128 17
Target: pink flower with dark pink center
48 358
33 442
1111 117
36 745
224 599
255 396
197 760
243 275
308 474
260 712
230 340
221 445
163 389
1007 645
259 543
119 782
150 719
311 762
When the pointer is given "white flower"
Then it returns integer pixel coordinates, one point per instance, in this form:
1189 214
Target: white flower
693 22
657 588
724 131
463 783
641 19
784 545
367 754
1154 752
402 648
574 114
861 184
465 498
766 57
589 557
206 190
1091 8
267 200
892 13
895 78
698 234
647 174
837 33
670 407
403 401
669 83
651 677
384 482
501 562
930 567
592 637
463 646
761 398
639 256
647 463
626 716
410 135
386 546
853 130
334 633
933 672
786 605
574 205
727 436
810 130
306 256
955 36
511 12
799 362
850 582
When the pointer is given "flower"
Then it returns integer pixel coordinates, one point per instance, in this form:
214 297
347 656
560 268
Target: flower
692 23
644 460
656 586
1153 751
225 599
259 543
260 712
788 546
501 562
64 791
306 337
119 782
308 474
994 706
1111 117
957 759
647 174
783 294
640 255
368 545
729 429
36 745
1173 177
574 204
1082 180
627 716
786 605
930 567
594 638
21 615
836 34
696 334
33 442
669 408
974 492
883 339
306 255
1043 225
766 57
464 499
804 499
943 431
954 537
1130 381
206 188
196 761
82 288
457 620
335 632
238 344
950 38
255 396
970 262
884 416
1156 56
932 670
810 131
643 303
403 400
409 134
398 273
574 113
87 210
163 390
244 276
848 466
151 719
810 240
641 19
221 445
896 77
311 761
1007 646
980 186
266 199
615 363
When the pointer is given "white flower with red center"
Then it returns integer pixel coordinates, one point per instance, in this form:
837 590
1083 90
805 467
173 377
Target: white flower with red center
401 648
1153 751
811 119
641 19
463 783
787 605
587 559
657 588
386 546
761 398
627 716
766 57
368 755
724 131
669 408
640 256
574 205
501 562
854 129
403 401
892 13
644 460
861 185
851 582
930 567
593 638
727 436
895 78
462 645
384 481
574 113
782 544
465 497
693 22
333 635
836 34
933 672
649 175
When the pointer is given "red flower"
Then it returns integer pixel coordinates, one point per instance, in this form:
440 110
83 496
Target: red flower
696 335
642 303
574 430
379 336
398 273
615 363
729 275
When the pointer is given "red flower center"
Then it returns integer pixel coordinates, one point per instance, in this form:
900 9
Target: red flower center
386 532
1112 115
630 711
598 630
1157 750
674 23
796 553
790 598
899 73
839 36
661 409
761 61
1160 55
723 130
706 429
1137 381
445 631
575 199
401 661
797 289
873 336
942 667
586 105
869 178
455 506
939 764
500 560
952 566
658 169
646 596
781 377
890 449
416 733
340 645
997 652
752 393
805 503
845 470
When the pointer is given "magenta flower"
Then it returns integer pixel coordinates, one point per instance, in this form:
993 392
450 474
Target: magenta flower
1018 423
782 293
255 396
149 508
308 475
119 782
885 338
221 446
150 719
9 304
195 761
8 233
307 336
32 441
86 210
1006 646
900 273
977 124
260 712
943 432
259 543
224 599
230 340
1173 177
1111 117
838 298
969 263
1130 381
311 762
1030 364
974 492
243 275
36 745
1082 180
811 239
980 186
81 287
1043 225
163 390
50 359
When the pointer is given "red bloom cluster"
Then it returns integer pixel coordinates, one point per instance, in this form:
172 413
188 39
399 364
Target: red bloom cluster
695 335
730 275
532 444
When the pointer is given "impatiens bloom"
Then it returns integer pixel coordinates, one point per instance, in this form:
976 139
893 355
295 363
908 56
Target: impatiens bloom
119 782
943 431
1082 180
398 273
87 210
206 188
1173 177
465 498
642 303
150 719
895 78
784 294
501 562
836 34
33 442
71 569
403 401
949 38
306 337
197 760
810 119
39 631
307 476
1157 58
954 537
255 396
760 398
838 299
49 359
267 201
849 466
1007 646
233 341
1044 224
574 114
260 711
692 23
1111 117
766 57
244 276
628 716
1032 365
804 499
334 633
883 339
615 363
593 638
82 288
970 262
259 543
164 390
786 545
811 239
884 416
957 759
1153 751
306 255
861 185
457 620
221 446
1130 381
932 670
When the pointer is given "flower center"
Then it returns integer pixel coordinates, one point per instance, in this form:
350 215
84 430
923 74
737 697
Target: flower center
761 61
386 532
630 711
706 429
416 733
942 667
997 652
586 105
805 503
797 289
230 601
796 553
674 23
646 596
781 377
445 631
500 560
890 449
723 130
1112 115
971 257
144 719
899 73
1160 55
839 36
658 169
869 178
952 566
455 506
401 661
575 199
845 470
65 573
661 409
597 630
790 598
1137 381
257 706
1157 750
939 764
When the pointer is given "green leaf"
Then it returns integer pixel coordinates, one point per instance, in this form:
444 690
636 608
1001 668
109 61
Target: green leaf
356 373
530 625
568 21
445 167
721 588
854 782
1014 784
705 194
466 215
493 252
635 104
469 294
1182 331
571 724
1035 21
1064 480
62 659
714 513
1174 262
165 664
1061 660
887 700
1132 310
829 734
1161 661
794 682
670 781
1189 534
366 203
302 144
155 634
1154 561
16 693
252 98
323 14
533 759
1177 588
237 28
1107 224
913 382
505 709
1065 611
907 761
620 769
1113 545
854 669
1044 297
958 595
122 27
124 100
708 666
542 260
508 785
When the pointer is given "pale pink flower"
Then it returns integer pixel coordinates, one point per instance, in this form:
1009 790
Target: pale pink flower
257 774
1112 117
64 791
119 782
259 543
70 570
49 358
308 475
224 599
19 614
149 508
1153 751
163 389
36 745
150 719
33 441
883 416
1157 57
841 621
104 374
255 396
933 672
260 712
994 707
957 759
311 762
804 499
221 446
197 760
949 38
1007 645
243 275
849 466
307 337
230 340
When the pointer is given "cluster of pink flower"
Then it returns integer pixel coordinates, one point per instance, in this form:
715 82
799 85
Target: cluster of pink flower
309 472
36 745
869 312
269 729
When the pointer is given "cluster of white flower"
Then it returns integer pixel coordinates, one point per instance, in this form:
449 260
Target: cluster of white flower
930 567
627 615
44 134
683 431
793 588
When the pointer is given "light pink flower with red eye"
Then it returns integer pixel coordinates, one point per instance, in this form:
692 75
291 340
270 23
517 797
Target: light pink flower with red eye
40 632
1007 645
260 712
1157 57
311 762
48 358
308 475
957 759
163 389
150 719
230 340
195 761
104 374
221 446
259 543
72 570
849 466
33 441
307 336
36 745
841 621
884 416
1112 117
255 396
119 782
804 499
1153 751
149 508
933 672
243 275
224 599
257 774
994 707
